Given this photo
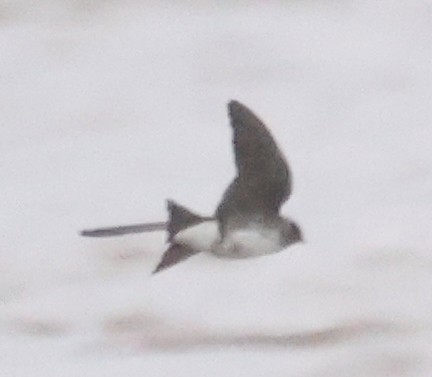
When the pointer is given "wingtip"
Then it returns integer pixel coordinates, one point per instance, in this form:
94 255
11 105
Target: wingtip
159 268
169 203
156 270
234 105
237 111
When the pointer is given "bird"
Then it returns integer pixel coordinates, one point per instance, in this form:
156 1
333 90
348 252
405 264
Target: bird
247 222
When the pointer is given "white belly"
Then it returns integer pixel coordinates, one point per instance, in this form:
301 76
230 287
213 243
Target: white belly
199 237
248 243
241 243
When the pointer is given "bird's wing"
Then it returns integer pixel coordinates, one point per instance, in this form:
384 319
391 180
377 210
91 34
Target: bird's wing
263 181
173 255
124 229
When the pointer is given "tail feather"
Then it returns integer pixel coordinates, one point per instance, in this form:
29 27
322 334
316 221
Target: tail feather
124 229
180 218
173 255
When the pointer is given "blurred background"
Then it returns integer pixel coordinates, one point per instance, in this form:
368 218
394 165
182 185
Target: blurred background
107 108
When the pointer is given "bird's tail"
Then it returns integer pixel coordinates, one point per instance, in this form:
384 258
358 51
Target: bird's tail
124 229
173 255
180 218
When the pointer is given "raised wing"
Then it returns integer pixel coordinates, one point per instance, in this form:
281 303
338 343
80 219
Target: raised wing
263 179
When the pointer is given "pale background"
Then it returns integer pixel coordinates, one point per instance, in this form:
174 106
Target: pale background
107 108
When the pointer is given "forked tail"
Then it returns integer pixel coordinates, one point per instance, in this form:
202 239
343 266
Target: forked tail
124 229
180 218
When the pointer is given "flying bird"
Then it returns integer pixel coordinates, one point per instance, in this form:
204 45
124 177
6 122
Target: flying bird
247 222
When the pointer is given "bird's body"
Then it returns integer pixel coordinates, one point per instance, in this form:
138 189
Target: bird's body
246 242
247 222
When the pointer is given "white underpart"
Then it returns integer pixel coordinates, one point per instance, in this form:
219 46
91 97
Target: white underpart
248 243
199 237
243 243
